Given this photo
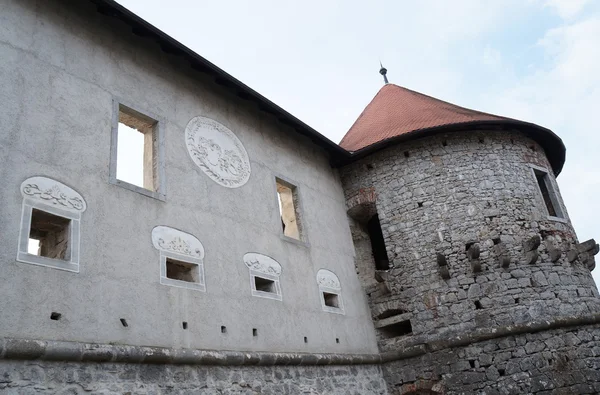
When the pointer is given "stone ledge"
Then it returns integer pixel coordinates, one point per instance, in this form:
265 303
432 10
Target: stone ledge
27 349
47 350
419 345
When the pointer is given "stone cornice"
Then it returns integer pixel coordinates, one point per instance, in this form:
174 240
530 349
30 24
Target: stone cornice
49 350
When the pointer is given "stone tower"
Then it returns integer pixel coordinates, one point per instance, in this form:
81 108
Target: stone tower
476 280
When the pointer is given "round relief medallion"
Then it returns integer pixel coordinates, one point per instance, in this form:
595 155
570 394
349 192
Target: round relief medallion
217 151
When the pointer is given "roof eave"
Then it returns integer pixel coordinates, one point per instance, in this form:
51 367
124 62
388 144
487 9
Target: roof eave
550 142
169 45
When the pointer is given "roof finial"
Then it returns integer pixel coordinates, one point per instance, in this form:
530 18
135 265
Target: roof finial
383 72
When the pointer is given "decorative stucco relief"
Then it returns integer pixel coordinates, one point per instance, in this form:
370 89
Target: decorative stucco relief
173 240
217 151
53 193
328 279
262 263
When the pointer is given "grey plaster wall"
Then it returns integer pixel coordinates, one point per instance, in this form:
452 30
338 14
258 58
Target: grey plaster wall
437 194
61 66
22 377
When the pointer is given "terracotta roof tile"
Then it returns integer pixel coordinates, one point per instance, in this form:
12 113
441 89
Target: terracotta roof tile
395 111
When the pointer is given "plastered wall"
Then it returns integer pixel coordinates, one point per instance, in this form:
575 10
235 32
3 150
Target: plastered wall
61 69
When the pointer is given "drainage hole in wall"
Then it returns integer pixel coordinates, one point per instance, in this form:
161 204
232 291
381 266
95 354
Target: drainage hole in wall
420 204
254 332
223 329
502 372
478 305
184 324
369 166
481 140
445 143
55 316
517 300
472 363
305 339
124 322
532 147
496 240
550 361
406 154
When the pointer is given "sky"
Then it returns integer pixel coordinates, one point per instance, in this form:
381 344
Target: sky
534 60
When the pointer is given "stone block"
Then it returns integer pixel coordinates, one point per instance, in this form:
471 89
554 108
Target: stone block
532 243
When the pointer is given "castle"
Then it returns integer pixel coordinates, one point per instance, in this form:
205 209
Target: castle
429 253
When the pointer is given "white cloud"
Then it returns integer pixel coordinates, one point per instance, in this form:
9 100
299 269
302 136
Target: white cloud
567 8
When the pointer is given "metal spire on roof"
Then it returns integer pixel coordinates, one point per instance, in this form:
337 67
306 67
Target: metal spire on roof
383 72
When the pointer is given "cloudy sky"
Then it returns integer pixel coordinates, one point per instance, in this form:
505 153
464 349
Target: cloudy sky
535 60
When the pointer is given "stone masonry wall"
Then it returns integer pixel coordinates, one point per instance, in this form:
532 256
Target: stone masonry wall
43 377
437 195
558 362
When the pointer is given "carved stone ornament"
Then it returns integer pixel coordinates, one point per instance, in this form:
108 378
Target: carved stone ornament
217 151
328 279
53 193
176 241
262 263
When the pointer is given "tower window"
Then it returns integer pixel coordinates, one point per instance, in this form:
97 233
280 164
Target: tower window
378 244
548 193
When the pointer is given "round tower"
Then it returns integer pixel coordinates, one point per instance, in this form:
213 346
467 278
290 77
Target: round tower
476 280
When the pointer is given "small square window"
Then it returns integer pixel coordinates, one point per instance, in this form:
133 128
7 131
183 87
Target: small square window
182 271
136 156
50 234
331 300
50 224
549 194
264 285
287 199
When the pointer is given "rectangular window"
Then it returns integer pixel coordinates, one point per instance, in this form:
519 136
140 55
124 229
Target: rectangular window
49 235
136 153
548 193
182 271
331 300
264 285
288 209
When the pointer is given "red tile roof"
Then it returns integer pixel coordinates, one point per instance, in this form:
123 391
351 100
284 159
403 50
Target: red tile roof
395 111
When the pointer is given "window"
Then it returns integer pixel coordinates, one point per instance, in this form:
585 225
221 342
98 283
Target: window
182 271
50 217
137 153
264 275
287 199
380 256
548 193
330 291
264 285
50 234
181 258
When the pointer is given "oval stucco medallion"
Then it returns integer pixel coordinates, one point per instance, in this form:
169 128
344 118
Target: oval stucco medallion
217 151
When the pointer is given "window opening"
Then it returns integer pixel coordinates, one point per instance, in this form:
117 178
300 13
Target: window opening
331 300
288 209
380 256
182 271
50 234
395 330
548 193
136 151
264 285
